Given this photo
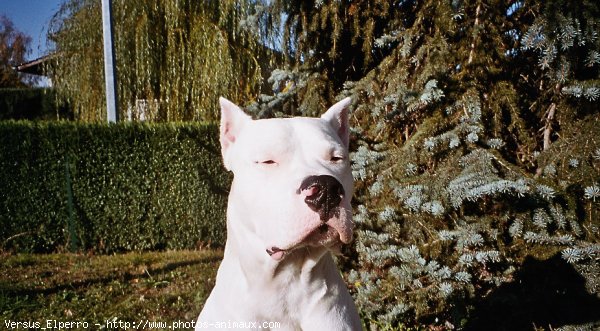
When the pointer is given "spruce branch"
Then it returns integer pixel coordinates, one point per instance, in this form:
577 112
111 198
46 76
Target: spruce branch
472 52
548 127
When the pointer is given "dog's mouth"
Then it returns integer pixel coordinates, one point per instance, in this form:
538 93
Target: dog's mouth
324 235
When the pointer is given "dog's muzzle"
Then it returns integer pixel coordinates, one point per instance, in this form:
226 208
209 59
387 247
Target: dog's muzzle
323 195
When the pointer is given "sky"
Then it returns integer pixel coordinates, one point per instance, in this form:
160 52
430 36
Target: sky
31 17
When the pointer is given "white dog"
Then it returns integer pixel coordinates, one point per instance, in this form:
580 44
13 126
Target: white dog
289 206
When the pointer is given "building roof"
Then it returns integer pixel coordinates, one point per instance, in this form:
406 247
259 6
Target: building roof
35 67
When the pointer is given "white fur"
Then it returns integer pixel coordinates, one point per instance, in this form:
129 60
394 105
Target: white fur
300 287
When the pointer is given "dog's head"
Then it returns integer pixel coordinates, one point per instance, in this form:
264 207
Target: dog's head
292 180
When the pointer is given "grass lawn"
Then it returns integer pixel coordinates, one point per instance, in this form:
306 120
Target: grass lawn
136 288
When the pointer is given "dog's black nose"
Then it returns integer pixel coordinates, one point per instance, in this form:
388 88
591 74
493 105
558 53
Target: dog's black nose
323 194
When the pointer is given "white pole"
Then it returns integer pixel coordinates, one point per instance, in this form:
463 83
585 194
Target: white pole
110 70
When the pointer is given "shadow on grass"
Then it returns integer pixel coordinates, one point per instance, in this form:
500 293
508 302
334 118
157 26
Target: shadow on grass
14 290
546 294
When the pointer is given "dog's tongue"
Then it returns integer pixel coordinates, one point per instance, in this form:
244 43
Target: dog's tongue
344 230
275 253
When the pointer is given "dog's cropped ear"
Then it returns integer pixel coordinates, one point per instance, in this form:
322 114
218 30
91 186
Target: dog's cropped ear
233 120
337 116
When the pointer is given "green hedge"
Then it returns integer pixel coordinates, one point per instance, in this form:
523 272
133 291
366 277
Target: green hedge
32 104
110 188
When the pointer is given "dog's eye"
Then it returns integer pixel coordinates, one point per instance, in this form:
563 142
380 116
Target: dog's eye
336 159
266 162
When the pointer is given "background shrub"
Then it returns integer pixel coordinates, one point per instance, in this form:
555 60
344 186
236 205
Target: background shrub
110 187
